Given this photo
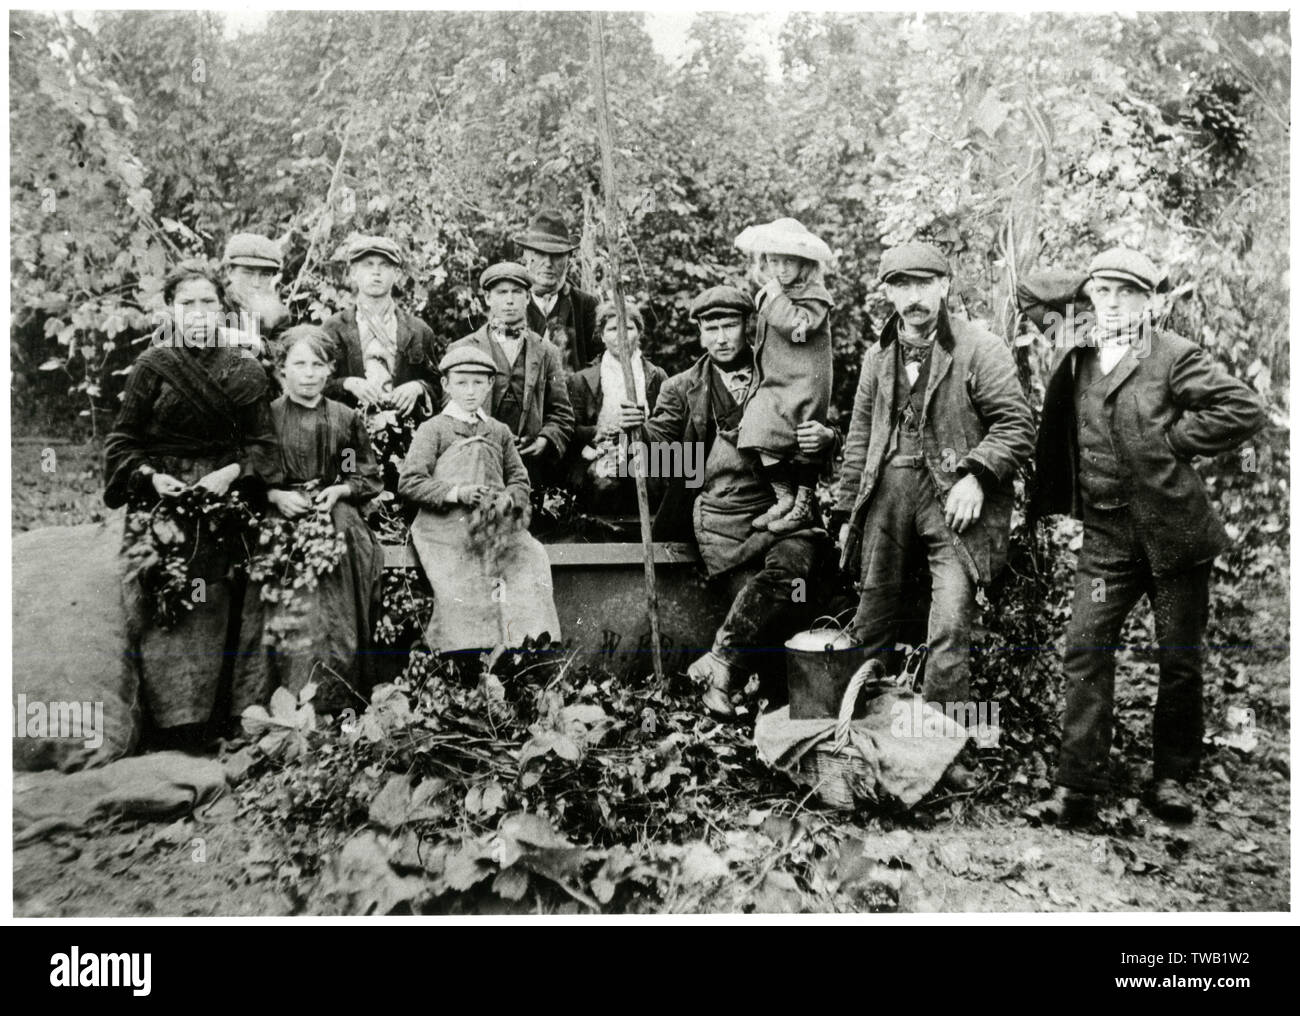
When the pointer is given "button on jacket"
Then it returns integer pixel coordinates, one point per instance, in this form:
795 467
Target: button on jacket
546 411
1164 403
976 420
418 353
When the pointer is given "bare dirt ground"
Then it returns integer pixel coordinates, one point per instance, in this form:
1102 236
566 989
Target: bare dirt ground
962 853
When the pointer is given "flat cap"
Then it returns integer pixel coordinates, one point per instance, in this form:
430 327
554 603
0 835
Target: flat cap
360 246
1127 266
548 232
252 250
922 260
719 300
504 271
467 357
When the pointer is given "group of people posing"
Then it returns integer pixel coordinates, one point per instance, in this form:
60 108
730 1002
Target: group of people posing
539 396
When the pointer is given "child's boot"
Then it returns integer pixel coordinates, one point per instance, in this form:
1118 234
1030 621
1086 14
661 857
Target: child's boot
800 515
784 502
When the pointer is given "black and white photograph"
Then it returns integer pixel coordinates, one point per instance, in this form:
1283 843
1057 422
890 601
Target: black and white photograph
585 466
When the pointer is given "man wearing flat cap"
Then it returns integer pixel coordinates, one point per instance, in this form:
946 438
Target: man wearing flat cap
387 356
530 393
558 311
940 426
717 502
251 264
1127 409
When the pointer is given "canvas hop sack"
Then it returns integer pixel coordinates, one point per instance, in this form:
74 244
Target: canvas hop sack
75 694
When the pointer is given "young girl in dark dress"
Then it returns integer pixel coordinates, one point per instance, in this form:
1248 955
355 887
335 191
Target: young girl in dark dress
327 469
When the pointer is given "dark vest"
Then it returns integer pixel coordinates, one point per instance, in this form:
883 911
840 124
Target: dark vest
511 407
1102 477
726 410
909 402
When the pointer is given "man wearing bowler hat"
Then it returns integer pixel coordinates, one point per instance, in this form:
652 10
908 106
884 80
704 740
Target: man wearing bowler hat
940 425
557 310
1125 412
251 264
530 393
386 356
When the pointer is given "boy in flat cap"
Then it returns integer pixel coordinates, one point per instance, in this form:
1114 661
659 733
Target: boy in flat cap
491 580
1126 410
701 409
530 394
940 425
251 264
387 357
558 311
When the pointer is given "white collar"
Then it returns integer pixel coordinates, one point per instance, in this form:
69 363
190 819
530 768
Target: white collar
610 358
456 413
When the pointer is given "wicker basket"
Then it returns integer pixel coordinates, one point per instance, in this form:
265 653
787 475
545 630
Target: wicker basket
834 769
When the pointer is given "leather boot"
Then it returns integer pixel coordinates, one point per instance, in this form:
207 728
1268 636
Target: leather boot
1066 808
1169 800
715 673
784 502
800 515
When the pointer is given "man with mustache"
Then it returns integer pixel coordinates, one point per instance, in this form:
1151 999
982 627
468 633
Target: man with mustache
558 310
940 425
1127 409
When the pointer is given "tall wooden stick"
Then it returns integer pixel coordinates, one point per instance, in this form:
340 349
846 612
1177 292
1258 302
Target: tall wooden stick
624 355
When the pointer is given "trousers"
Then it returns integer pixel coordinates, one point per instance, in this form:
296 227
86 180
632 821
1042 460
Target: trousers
905 516
1114 573
768 604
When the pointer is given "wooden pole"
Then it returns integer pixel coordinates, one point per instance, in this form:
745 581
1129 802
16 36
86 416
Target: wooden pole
605 132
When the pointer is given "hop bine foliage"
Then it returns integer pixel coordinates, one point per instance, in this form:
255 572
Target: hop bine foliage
173 542
292 556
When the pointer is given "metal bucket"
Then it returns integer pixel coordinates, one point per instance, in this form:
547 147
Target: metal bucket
818 666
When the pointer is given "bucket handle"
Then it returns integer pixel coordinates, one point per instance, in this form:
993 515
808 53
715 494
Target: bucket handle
911 672
871 670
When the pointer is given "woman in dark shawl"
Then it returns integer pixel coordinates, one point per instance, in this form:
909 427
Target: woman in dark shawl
195 412
328 470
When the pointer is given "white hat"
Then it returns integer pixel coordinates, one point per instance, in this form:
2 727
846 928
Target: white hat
783 236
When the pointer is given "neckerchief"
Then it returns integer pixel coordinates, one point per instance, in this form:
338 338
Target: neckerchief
378 335
500 331
915 350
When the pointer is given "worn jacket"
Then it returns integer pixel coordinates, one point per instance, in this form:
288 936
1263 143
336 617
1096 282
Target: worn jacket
586 397
1166 402
975 420
570 326
681 413
546 412
418 355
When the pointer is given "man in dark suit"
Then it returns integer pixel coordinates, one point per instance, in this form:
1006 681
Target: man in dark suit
557 310
384 354
717 501
1125 412
529 393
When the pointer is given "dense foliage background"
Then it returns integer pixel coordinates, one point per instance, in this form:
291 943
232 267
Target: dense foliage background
1017 142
